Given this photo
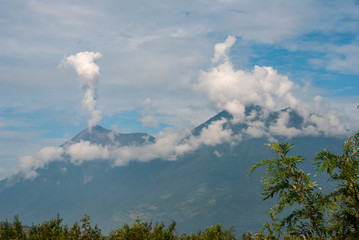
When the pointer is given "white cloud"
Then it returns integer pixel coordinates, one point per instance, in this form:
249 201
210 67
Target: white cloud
148 116
212 135
170 144
86 151
280 127
221 49
232 90
218 154
343 59
225 88
328 124
29 164
255 132
149 120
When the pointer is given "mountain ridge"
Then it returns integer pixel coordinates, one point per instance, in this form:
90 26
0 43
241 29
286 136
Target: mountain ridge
201 188
103 136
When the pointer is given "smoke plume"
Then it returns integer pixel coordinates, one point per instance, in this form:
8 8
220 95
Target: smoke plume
88 72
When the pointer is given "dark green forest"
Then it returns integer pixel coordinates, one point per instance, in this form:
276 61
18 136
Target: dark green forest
302 209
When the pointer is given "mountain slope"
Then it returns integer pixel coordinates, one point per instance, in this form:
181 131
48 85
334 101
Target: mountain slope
203 187
105 137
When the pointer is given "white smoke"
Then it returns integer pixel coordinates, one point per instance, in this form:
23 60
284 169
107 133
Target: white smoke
221 49
88 72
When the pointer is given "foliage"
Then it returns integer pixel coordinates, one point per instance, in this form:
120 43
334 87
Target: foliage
143 231
212 233
344 169
52 229
312 214
12 231
284 179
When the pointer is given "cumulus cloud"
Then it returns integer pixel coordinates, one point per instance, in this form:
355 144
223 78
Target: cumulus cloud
227 88
29 164
230 89
86 151
88 72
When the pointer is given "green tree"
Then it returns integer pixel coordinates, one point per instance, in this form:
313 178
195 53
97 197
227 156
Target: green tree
139 230
74 232
88 232
52 229
344 169
5 230
292 187
215 232
144 231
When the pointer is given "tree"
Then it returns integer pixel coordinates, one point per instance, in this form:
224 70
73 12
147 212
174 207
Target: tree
313 214
144 231
215 232
284 180
5 230
87 231
344 169
75 231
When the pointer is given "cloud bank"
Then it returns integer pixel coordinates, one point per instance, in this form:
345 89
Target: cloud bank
169 145
232 90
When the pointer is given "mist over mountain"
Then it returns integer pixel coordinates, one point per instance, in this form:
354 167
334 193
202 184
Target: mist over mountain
105 137
207 184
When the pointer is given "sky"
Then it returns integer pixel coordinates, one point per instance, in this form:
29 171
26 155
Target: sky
151 66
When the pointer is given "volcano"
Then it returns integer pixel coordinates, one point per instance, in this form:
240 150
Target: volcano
202 187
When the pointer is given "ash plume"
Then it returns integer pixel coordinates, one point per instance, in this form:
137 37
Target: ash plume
88 72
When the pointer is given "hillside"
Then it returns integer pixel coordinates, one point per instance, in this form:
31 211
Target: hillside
201 188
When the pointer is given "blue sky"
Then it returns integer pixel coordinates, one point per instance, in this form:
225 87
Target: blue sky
154 54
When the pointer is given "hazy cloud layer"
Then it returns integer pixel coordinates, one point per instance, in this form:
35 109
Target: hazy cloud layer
169 145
